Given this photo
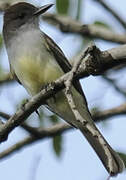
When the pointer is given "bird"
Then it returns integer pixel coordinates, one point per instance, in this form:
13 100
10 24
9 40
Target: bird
36 60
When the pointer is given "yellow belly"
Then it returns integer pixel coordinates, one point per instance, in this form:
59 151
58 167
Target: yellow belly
34 74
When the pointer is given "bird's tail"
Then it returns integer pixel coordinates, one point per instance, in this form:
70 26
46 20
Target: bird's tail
108 156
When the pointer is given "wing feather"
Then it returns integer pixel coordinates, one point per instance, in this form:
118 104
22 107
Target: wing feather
62 61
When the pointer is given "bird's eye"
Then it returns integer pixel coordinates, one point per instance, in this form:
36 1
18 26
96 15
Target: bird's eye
22 15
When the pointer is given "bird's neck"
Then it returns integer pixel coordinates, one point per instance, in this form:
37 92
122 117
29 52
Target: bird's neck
27 30
25 36
23 41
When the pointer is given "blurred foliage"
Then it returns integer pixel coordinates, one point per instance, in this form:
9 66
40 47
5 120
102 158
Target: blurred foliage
45 118
22 103
1 71
10 1
6 3
78 9
123 157
41 116
1 41
62 6
57 145
95 110
103 24
54 119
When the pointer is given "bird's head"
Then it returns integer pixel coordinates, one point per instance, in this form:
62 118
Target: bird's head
21 13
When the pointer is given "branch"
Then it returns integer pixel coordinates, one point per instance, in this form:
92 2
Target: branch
99 116
112 12
96 63
68 25
31 130
116 87
60 128
43 133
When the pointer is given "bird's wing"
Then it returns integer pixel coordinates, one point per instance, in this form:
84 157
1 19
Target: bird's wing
58 54
14 75
62 61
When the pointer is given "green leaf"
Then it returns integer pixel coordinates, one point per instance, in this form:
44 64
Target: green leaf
79 5
95 110
62 6
1 71
22 103
103 24
54 119
1 41
123 157
57 145
41 116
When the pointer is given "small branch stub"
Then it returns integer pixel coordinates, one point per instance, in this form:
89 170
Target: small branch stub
93 63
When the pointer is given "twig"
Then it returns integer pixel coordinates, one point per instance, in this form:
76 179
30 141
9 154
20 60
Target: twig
112 12
97 117
113 83
68 25
43 133
106 59
31 130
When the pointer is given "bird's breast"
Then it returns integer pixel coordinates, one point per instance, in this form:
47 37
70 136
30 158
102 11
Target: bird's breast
30 60
36 71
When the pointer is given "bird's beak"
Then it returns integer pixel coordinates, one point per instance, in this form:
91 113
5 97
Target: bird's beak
42 9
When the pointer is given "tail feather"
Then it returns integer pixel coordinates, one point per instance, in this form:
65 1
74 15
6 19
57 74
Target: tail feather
108 156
